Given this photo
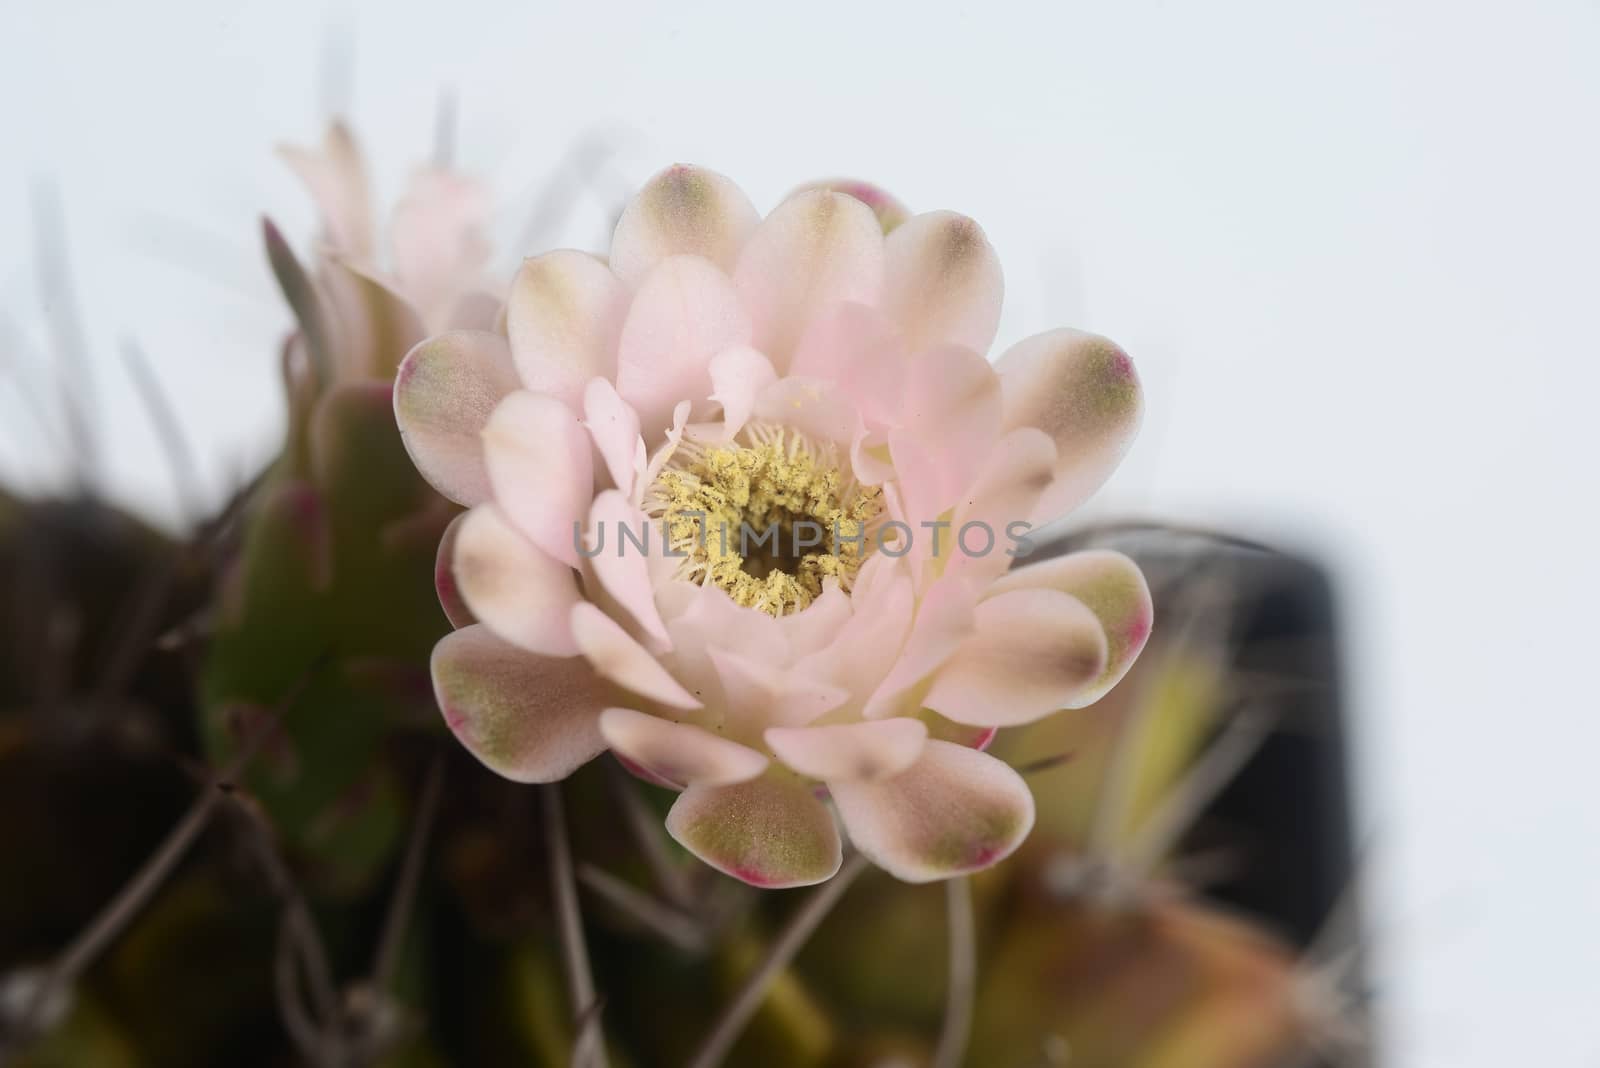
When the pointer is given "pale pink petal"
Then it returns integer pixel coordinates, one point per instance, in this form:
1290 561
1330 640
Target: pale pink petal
437 238
702 617
615 429
817 408
563 317
444 393
811 630
1082 391
529 718
644 774
948 730
673 438
952 407
861 349
945 618
337 179
616 542
1034 652
679 752
955 811
951 420
866 646
738 375
1113 588
757 693
850 752
444 577
377 324
750 633
870 460
682 211
816 250
943 282
770 832
541 467
618 657
952 382
685 313
518 591
889 212
992 520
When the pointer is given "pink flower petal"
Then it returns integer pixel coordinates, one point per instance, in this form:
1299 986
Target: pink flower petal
1033 653
945 618
616 532
810 631
817 408
861 349
850 752
1113 588
952 408
436 234
618 657
337 179
377 325
703 621
528 718
952 419
738 375
444 577
955 811
747 631
685 313
756 694
615 429
866 647
816 250
541 467
563 318
770 832
1082 391
943 283
682 211
889 212
443 395
679 752
519 592
672 439
999 504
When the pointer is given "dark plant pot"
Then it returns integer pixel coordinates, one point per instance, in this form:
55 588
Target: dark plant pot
1286 816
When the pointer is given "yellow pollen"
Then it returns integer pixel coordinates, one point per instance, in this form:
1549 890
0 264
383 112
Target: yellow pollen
767 517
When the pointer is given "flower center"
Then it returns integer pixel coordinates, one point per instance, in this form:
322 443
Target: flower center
766 517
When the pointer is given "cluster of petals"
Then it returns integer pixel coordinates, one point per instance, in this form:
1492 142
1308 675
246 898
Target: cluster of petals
844 324
374 292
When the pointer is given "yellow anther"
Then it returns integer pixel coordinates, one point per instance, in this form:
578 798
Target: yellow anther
742 514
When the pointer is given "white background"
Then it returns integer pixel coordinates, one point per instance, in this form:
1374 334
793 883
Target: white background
1353 247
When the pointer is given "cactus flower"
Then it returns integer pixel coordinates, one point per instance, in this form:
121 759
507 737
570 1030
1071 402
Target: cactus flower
817 378
369 300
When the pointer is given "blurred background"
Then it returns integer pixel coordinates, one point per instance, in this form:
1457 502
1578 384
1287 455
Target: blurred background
1354 250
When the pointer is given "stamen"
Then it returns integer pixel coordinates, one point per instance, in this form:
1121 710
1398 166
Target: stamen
768 517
